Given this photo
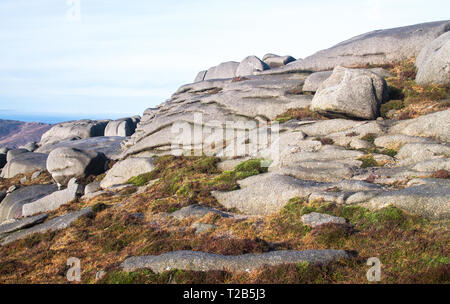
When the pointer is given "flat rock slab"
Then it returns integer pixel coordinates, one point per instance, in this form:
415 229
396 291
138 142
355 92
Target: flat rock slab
11 206
24 163
201 261
57 223
22 224
315 219
196 211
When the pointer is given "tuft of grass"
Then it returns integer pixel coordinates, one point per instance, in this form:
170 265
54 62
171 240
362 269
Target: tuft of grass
391 105
241 171
299 114
369 137
142 179
368 161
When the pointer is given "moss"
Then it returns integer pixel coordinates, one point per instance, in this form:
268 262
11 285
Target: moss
368 161
369 137
100 177
241 171
142 179
391 105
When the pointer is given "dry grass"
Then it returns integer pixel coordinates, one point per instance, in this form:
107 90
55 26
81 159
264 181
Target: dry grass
299 114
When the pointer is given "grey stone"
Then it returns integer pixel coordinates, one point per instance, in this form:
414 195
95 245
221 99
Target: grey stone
23 180
11 206
92 187
202 228
433 62
275 61
12 189
57 223
121 127
201 261
22 224
74 130
376 47
24 163
222 71
353 93
122 171
425 197
314 80
13 153
31 146
433 165
250 65
110 146
54 200
435 125
396 141
66 163
196 211
4 150
315 219
200 76
36 174
417 152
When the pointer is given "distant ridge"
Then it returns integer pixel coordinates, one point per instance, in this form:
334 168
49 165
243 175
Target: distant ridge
15 133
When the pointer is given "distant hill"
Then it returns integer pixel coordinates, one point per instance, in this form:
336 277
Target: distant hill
16 133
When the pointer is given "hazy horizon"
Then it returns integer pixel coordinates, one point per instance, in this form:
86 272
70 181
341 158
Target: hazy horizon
118 58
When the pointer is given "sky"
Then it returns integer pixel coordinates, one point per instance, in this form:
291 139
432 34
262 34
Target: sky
114 58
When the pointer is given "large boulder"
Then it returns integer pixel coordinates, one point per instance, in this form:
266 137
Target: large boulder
11 206
376 47
74 130
108 145
121 127
276 61
31 146
24 163
433 62
313 82
432 125
54 200
13 153
122 171
66 163
353 93
250 66
222 71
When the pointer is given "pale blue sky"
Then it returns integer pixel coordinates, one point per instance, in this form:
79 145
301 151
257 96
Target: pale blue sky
122 57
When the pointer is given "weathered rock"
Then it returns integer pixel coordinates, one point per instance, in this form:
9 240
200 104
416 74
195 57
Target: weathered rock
24 163
22 224
433 165
110 146
122 171
200 76
376 47
417 152
275 61
315 219
92 187
425 197
202 228
222 71
353 93
57 223
66 163
250 66
31 146
11 206
74 130
196 211
36 174
313 82
13 153
432 125
433 62
266 193
55 200
2 195
201 261
396 141
121 127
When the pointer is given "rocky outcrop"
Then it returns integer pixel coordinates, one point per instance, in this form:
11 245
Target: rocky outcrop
66 163
250 66
122 171
196 211
276 61
315 219
23 162
353 93
74 130
222 71
201 261
433 62
376 47
11 206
